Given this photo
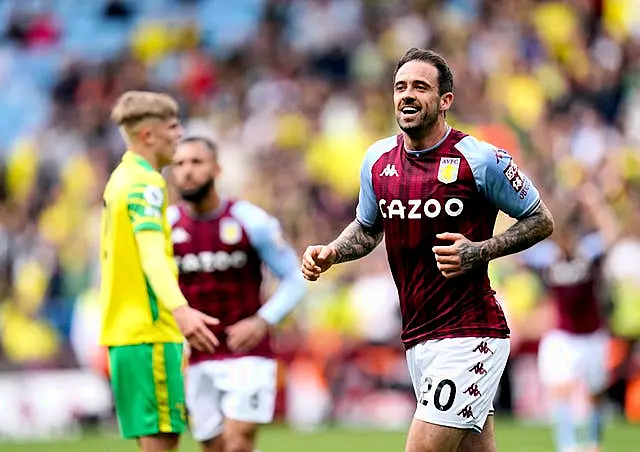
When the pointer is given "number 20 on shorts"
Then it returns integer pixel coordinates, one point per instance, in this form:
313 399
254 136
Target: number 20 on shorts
443 395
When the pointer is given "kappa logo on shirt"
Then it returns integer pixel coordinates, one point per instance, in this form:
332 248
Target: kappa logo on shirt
389 170
179 235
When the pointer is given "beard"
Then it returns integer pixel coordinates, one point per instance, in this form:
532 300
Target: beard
424 122
197 194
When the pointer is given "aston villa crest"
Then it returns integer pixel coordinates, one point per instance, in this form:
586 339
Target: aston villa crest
230 231
448 169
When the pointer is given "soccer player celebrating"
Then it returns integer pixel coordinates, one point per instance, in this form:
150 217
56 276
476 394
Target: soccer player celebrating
434 193
220 245
146 317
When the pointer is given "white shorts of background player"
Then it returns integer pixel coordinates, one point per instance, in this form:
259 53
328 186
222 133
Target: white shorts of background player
569 358
241 389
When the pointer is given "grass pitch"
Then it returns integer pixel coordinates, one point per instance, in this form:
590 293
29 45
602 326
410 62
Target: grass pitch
511 437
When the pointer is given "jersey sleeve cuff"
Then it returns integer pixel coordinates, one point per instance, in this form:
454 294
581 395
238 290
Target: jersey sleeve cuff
172 305
531 209
147 226
363 223
270 319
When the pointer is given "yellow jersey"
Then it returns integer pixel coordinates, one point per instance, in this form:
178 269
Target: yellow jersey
135 200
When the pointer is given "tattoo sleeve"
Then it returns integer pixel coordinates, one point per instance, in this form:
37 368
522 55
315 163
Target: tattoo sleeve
525 233
355 242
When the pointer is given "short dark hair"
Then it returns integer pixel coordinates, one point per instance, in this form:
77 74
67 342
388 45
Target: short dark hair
445 76
207 142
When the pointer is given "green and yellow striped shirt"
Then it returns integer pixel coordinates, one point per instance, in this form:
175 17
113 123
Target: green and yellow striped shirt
135 200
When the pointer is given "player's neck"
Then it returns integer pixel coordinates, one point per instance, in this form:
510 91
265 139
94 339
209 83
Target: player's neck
149 156
428 139
209 204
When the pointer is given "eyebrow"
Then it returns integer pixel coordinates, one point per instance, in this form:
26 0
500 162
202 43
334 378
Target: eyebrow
414 81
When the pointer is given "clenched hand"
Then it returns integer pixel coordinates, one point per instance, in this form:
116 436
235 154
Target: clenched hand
317 259
458 258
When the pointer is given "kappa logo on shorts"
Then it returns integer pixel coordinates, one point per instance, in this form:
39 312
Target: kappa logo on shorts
479 369
483 348
466 412
473 390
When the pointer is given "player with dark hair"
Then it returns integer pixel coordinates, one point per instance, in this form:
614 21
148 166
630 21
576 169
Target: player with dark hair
220 245
434 193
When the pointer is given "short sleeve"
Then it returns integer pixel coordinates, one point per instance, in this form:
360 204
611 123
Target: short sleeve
145 205
499 178
367 210
592 246
541 255
266 237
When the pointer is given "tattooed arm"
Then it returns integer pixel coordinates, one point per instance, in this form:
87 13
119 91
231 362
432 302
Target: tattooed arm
523 234
354 242
464 255
502 184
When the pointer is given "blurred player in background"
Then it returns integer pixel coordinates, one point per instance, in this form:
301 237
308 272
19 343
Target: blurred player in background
146 317
573 353
434 193
220 245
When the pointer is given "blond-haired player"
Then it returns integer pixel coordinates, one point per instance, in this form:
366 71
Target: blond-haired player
146 317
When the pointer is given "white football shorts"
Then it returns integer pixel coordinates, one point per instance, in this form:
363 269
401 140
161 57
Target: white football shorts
565 357
456 379
241 389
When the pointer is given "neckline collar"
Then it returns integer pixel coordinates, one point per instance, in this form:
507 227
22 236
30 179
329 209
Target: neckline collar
430 148
138 159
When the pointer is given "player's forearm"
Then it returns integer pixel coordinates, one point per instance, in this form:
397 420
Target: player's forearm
290 292
157 269
604 219
355 242
525 233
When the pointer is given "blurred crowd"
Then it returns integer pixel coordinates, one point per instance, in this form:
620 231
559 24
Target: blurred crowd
294 92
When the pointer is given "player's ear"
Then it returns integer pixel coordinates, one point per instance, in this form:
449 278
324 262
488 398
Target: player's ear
216 169
445 101
145 132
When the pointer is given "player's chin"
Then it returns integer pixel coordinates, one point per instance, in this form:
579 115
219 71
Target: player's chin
409 125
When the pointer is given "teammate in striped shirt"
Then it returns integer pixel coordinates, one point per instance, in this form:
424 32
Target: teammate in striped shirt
221 245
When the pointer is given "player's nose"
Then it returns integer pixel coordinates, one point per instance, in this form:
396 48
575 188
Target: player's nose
408 100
